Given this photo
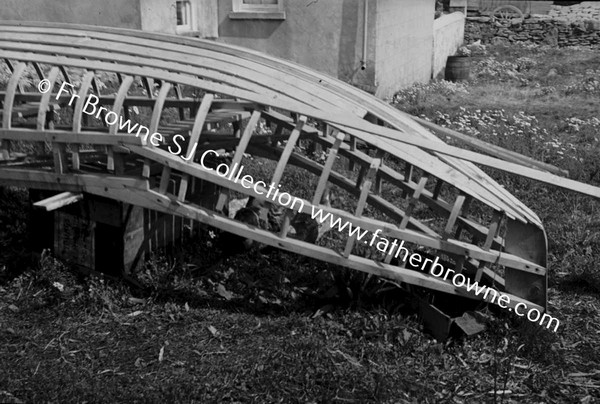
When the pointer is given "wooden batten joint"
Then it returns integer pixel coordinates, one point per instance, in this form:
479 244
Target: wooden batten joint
413 201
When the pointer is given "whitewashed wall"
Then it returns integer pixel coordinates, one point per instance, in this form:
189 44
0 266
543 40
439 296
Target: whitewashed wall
448 36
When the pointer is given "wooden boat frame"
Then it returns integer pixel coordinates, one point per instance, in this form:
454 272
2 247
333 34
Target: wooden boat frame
388 152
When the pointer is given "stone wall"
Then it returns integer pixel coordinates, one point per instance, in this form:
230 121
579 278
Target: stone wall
587 10
578 24
538 29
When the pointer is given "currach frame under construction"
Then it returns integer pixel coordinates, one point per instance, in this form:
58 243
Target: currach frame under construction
380 169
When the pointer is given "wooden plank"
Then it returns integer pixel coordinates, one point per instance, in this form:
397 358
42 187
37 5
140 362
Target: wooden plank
458 204
437 205
333 151
38 70
43 107
416 196
58 201
239 153
487 161
430 238
349 186
8 104
236 73
362 201
117 105
164 180
399 180
154 200
65 74
352 148
287 151
63 136
438 188
232 61
140 101
60 157
12 71
179 94
112 182
74 239
497 218
203 110
58 150
154 121
9 96
86 84
465 212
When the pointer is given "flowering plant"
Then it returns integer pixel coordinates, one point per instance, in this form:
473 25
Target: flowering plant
463 51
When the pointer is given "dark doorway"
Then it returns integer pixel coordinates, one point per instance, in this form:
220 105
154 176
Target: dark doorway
108 248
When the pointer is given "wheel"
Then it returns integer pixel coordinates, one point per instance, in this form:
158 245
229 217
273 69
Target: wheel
506 15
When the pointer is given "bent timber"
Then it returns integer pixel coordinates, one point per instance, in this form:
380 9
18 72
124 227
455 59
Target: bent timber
398 178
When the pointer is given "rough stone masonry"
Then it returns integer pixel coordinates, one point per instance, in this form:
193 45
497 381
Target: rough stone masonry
563 26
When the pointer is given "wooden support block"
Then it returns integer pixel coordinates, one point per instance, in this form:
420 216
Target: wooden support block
58 201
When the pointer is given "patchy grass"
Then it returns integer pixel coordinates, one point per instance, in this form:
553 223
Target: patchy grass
275 327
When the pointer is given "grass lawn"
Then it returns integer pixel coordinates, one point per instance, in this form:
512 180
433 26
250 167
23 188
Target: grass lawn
275 327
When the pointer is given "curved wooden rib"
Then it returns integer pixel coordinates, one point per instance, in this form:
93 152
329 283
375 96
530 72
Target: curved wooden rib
441 183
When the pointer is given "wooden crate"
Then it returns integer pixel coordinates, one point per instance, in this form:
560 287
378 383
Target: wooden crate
103 235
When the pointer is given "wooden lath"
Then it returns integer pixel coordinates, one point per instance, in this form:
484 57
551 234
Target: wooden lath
242 89
228 53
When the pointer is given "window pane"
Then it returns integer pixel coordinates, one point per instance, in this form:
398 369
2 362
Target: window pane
179 13
184 9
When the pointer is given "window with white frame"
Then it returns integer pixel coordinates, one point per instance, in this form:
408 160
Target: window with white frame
257 9
185 16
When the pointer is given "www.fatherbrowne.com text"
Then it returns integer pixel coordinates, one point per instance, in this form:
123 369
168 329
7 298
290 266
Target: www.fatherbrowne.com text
273 193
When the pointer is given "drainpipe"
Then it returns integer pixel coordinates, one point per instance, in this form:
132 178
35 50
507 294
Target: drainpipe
363 62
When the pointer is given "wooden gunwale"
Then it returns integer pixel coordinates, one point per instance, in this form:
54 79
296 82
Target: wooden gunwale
437 146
